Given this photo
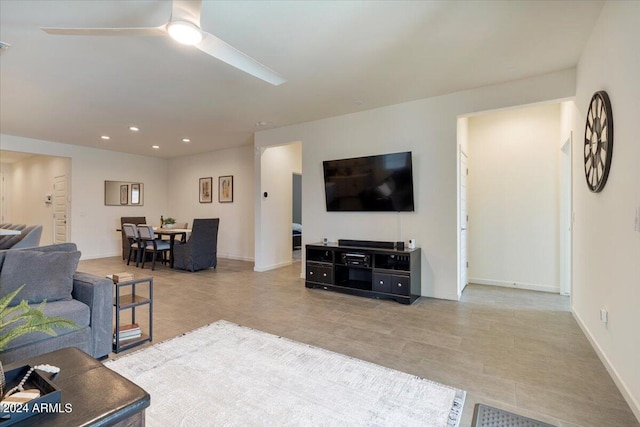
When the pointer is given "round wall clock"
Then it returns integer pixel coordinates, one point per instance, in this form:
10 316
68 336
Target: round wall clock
598 141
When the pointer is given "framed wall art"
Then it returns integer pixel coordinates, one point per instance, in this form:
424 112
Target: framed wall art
124 194
135 194
206 190
225 189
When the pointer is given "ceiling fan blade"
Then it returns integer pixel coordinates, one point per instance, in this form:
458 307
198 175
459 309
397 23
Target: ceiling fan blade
142 31
217 48
186 10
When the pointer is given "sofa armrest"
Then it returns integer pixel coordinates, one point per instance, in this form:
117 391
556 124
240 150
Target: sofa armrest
97 293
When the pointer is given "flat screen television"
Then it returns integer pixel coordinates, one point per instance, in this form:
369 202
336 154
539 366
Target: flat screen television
382 183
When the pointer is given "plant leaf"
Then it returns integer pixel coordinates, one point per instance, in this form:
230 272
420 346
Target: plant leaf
30 320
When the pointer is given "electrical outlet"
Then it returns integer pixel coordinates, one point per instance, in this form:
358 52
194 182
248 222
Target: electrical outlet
604 315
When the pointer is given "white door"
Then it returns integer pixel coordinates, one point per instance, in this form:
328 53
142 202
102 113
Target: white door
464 220
60 209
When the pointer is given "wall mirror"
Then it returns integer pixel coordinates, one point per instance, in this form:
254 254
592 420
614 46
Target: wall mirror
121 193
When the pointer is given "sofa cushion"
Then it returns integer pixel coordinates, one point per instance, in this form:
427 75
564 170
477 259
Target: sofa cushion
73 310
47 275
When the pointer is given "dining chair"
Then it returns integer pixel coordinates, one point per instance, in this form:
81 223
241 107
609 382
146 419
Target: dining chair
184 226
135 220
133 238
153 245
200 251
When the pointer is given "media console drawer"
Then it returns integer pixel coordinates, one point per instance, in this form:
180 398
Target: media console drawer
382 282
391 283
400 285
320 273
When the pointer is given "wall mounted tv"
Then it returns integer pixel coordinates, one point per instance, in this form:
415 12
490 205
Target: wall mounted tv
382 183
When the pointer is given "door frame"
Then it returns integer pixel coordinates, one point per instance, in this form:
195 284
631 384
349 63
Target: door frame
566 212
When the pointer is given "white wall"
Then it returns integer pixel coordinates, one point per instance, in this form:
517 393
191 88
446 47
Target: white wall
274 213
514 198
93 225
235 235
31 179
606 269
426 127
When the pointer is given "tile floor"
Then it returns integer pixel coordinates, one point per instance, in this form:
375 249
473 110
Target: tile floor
518 350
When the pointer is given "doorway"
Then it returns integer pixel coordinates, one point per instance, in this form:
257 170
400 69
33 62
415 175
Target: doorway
296 215
517 199
275 166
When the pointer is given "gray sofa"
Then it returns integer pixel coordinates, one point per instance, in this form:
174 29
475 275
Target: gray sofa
50 272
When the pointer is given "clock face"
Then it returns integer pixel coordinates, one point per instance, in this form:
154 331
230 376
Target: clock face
598 141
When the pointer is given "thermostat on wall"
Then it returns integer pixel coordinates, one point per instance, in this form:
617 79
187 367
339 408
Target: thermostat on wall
47 198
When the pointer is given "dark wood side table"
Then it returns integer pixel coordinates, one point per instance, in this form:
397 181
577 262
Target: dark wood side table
97 395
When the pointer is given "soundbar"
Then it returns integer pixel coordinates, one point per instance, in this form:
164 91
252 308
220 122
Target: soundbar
366 244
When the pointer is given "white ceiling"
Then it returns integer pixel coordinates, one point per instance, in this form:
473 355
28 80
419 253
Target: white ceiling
338 56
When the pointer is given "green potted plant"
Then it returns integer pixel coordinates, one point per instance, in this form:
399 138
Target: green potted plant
169 222
25 320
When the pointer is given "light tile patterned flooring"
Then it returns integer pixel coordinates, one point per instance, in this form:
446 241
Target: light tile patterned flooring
521 351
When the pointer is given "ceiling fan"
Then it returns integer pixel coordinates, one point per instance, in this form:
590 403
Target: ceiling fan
184 27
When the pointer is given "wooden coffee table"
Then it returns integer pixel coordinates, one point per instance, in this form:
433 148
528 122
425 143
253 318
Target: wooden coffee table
98 395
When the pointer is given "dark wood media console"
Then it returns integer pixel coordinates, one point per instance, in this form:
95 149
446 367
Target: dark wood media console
369 272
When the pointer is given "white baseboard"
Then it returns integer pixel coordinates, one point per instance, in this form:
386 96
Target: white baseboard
236 257
117 254
271 267
516 285
98 256
633 404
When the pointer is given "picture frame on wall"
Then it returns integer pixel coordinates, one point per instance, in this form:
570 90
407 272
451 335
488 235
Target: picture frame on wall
225 189
124 194
135 194
206 190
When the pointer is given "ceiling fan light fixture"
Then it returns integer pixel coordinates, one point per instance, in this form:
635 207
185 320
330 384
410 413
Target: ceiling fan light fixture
184 32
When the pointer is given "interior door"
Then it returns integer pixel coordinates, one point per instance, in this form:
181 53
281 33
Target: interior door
60 209
464 219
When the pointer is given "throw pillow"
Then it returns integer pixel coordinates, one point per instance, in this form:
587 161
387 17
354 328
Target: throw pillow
47 275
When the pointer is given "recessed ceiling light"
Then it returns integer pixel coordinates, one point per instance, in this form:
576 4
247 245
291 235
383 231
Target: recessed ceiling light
184 32
134 129
155 147
186 140
105 137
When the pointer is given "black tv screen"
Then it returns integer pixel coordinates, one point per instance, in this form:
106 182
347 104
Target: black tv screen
369 184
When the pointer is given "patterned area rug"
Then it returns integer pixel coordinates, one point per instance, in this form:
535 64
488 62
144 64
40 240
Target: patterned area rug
229 375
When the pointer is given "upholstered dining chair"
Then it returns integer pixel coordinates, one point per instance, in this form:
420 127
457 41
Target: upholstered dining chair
133 238
129 220
200 251
153 245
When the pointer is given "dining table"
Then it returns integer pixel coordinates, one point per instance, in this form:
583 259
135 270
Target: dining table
172 233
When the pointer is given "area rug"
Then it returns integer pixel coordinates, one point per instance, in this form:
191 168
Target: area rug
228 375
